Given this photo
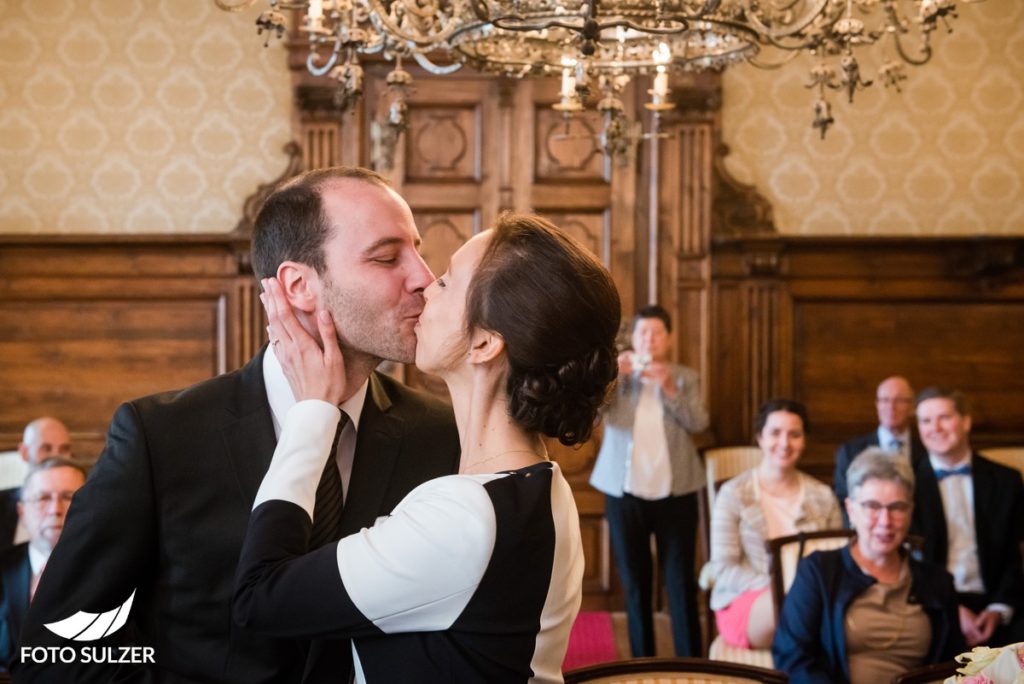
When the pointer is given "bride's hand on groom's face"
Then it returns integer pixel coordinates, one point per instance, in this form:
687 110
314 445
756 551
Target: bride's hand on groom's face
313 372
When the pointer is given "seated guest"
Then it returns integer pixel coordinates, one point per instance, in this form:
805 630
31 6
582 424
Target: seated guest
46 495
772 500
894 402
970 512
43 438
868 612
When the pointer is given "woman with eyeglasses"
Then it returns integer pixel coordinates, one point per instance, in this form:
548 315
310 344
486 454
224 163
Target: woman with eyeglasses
775 499
868 611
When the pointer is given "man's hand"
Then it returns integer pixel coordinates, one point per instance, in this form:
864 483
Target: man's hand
986 623
968 625
312 372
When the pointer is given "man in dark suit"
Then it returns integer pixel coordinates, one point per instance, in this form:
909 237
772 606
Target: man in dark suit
894 402
48 489
970 512
165 510
43 438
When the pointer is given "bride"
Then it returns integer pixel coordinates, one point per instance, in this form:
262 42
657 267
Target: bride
474 577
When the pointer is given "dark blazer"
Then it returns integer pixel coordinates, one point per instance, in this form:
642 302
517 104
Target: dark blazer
810 639
15 581
851 449
998 523
165 511
8 516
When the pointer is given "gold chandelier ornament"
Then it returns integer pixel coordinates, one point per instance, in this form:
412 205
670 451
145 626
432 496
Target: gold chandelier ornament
596 46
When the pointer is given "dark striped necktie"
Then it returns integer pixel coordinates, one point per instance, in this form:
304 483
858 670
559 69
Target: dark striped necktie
329 497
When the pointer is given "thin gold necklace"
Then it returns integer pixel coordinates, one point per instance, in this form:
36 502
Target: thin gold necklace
481 462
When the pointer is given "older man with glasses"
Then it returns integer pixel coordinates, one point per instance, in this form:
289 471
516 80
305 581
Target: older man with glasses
45 497
894 404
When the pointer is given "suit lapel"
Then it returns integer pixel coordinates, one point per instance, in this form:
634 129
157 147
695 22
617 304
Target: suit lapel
248 433
18 582
983 481
930 514
378 445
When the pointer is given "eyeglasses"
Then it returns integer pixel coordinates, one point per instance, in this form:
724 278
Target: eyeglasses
897 509
893 400
46 498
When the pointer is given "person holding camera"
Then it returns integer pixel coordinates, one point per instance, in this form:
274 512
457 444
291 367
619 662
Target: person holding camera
650 472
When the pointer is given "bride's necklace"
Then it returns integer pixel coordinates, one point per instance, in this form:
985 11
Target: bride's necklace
477 464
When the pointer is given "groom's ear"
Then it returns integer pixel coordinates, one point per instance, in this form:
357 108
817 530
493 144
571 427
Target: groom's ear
301 285
485 346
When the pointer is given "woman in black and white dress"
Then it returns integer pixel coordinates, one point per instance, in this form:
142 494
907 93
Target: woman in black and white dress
474 577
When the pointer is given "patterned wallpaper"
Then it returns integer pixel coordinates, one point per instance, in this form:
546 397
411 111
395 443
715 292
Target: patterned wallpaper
946 156
133 116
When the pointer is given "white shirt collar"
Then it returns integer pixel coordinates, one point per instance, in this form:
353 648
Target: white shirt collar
885 436
281 398
938 464
36 559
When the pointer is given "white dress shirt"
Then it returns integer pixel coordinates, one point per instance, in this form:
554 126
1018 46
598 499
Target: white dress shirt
887 440
648 470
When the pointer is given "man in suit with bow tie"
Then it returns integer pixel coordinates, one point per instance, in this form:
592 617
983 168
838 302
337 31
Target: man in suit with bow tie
45 497
166 507
894 403
970 512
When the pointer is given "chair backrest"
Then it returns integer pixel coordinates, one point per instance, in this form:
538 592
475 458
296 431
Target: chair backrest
927 674
1008 456
723 463
674 671
784 554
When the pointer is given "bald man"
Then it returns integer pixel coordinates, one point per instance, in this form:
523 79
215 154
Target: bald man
43 438
894 403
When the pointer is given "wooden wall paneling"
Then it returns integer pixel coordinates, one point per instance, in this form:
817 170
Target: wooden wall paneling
86 324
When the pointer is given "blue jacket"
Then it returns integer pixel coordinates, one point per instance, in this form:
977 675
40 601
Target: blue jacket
810 639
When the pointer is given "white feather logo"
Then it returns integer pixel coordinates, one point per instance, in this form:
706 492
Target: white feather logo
84 626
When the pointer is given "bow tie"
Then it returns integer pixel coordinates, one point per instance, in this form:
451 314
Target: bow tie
941 473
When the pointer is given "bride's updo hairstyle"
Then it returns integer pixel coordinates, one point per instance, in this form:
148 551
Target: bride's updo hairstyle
558 311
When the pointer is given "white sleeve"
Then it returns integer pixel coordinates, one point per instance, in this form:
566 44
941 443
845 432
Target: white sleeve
417 569
302 451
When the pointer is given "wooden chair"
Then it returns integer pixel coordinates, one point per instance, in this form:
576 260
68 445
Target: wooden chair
673 671
927 674
721 464
1008 456
724 463
784 554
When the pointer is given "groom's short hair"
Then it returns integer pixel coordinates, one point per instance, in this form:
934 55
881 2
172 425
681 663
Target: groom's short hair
291 225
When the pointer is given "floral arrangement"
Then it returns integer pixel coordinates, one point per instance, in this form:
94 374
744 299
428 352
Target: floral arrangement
983 665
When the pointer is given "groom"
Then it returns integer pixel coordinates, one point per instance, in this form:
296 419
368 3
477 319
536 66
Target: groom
165 510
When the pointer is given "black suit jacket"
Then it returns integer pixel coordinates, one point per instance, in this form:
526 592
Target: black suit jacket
165 510
998 523
8 516
851 449
15 581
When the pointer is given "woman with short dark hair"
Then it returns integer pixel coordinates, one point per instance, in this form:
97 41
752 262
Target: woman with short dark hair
475 577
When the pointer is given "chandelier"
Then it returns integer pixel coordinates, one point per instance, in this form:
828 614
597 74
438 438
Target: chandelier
598 46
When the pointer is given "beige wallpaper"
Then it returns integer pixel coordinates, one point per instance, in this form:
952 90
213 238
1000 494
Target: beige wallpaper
945 156
135 116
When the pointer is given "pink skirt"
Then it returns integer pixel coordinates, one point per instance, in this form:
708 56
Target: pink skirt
732 620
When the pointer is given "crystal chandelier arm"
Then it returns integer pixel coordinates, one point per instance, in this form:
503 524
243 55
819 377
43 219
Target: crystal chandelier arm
814 9
331 61
238 6
380 14
422 60
925 49
790 55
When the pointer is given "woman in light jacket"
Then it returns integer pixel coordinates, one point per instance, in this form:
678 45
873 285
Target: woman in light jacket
772 500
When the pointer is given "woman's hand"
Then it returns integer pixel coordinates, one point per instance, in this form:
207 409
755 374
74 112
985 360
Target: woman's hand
313 372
